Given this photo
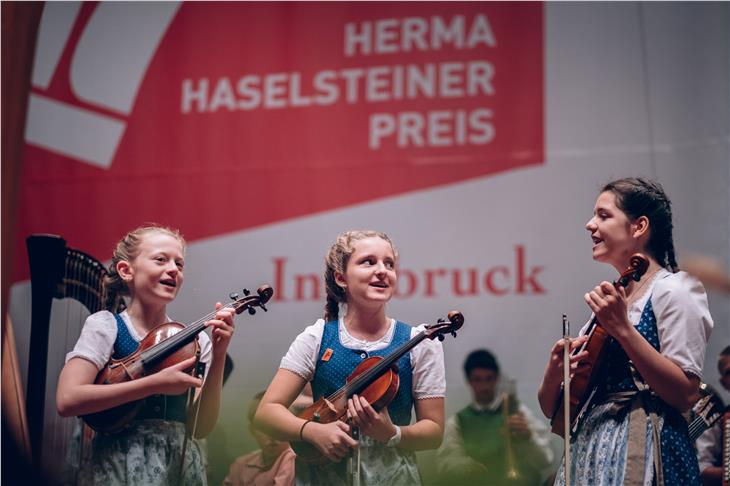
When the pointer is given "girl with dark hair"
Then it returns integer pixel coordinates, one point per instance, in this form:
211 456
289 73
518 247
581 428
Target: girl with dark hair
360 276
635 433
147 266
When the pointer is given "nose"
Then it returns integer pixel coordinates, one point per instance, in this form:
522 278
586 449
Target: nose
591 224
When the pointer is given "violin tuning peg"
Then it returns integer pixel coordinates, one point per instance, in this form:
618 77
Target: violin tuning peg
264 307
246 292
441 337
453 333
251 310
233 296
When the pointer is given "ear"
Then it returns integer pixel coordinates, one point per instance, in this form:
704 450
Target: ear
340 280
124 269
641 226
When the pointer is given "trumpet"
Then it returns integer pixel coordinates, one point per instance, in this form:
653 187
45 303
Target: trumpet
508 404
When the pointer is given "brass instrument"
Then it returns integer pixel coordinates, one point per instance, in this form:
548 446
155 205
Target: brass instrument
508 404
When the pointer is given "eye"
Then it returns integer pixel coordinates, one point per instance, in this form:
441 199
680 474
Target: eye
368 261
389 264
180 264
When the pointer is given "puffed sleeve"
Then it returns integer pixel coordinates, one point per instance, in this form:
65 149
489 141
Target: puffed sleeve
96 341
302 355
683 320
429 374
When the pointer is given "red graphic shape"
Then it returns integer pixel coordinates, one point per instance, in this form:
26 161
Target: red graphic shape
210 172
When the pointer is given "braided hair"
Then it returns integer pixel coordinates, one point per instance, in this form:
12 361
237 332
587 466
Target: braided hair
336 262
127 250
641 196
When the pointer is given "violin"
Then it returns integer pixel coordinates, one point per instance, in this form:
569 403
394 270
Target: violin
376 379
583 384
166 345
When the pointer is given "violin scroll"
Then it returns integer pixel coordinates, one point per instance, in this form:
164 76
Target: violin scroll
250 302
450 325
638 264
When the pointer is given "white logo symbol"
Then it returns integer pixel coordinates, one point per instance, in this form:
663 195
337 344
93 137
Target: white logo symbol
107 68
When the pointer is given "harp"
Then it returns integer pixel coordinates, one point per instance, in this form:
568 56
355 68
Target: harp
58 272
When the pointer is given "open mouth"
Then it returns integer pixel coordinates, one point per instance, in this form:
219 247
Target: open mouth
169 283
596 240
380 285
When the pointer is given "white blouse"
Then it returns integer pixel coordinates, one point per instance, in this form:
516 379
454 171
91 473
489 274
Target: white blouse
427 357
683 318
96 342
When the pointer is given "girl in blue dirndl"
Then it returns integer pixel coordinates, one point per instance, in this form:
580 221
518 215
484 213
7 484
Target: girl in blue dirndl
360 274
635 433
147 265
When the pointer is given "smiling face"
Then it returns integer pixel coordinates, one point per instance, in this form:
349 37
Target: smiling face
370 276
615 237
155 275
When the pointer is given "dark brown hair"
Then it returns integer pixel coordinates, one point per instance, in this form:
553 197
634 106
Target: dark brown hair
640 196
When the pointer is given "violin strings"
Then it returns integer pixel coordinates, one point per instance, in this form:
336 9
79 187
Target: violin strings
378 369
185 333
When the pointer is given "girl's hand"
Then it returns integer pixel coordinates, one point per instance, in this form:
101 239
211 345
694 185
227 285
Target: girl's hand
609 306
333 439
173 380
371 423
222 332
555 364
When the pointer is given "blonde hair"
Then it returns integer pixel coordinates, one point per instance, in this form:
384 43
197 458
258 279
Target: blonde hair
127 250
336 262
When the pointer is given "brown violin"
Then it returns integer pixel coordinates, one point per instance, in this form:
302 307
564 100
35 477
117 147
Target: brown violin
166 345
376 379
583 384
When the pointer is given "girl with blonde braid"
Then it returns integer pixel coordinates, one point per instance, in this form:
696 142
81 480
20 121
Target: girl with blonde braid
361 277
148 266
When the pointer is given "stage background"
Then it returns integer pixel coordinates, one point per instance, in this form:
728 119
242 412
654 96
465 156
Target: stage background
476 135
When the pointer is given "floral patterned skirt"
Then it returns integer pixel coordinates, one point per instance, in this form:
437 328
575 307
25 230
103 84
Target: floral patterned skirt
145 453
379 465
598 454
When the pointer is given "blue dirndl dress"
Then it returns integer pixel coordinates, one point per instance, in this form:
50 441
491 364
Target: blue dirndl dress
147 451
599 449
380 464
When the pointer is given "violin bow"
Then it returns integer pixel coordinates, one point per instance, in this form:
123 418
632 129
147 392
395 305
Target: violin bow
198 371
354 463
566 395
